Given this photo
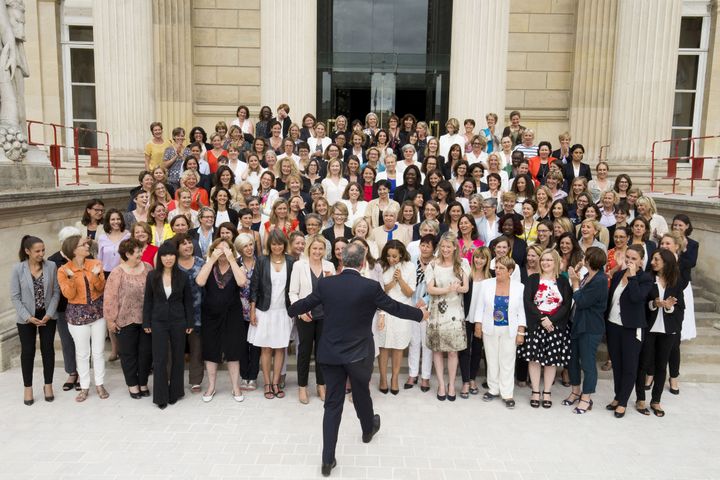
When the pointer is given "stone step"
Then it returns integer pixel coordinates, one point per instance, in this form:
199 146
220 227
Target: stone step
704 305
699 353
706 336
706 319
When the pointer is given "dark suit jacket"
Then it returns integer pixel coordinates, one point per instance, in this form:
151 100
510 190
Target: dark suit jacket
176 309
590 304
401 192
533 315
569 173
519 251
349 301
688 259
261 284
633 301
557 154
673 321
329 233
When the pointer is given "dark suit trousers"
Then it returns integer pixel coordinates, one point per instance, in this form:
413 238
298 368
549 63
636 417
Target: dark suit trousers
674 363
582 357
624 350
249 355
168 335
135 348
28 332
359 374
654 357
470 357
309 333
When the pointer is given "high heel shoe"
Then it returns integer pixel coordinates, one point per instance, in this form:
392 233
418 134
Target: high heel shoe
67 386
579 411
135 395
441 397
568 402
535 403
302 395
424 388
321 392
619 414
546 403
409 385
384 391
450 397
51 396
674 391
394 392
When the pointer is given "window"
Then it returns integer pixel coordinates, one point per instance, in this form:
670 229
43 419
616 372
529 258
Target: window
690 79
79 79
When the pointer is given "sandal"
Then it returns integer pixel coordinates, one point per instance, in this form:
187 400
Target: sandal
659 412
278 391
547 403
642 410
607 366
474 390
82 396
269 394
102 393
463 393
571 401
534 403
579 411
67 386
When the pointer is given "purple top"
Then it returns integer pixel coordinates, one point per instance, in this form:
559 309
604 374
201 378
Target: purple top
108 251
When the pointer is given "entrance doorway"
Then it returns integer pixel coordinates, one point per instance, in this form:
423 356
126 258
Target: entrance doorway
354 103
412 101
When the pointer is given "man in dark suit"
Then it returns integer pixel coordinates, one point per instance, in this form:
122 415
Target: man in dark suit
346 348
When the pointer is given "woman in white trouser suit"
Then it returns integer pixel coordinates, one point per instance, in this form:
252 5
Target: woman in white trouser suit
500 322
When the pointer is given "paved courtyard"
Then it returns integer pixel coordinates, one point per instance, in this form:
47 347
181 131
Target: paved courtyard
420 438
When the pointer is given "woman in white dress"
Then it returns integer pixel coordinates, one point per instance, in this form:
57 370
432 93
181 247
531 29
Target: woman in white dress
355 205
394 333
334 184
252 172
270 325
243 120
452 137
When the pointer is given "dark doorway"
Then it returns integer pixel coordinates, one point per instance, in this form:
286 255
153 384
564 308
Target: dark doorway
354 103
411 101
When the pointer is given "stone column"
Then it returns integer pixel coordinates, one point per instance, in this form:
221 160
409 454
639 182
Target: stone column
288 42
593 74
478 79
643 86
124 76
172 43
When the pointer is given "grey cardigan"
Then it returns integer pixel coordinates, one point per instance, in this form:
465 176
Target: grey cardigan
22 292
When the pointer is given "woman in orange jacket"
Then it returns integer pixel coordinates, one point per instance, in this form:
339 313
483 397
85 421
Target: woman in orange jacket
539 166
82 282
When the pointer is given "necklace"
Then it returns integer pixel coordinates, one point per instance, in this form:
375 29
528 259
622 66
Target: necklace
276 262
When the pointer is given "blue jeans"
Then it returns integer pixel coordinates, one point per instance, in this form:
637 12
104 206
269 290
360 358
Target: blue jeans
582 356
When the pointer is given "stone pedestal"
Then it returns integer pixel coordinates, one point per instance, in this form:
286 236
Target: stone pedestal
288 42
593 74
477 77
644 78
124 73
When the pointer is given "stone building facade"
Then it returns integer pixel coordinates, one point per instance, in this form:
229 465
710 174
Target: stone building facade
622 73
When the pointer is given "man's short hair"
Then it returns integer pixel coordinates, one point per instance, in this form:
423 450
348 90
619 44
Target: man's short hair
353 255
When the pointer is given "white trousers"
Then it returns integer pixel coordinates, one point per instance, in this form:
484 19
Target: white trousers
419 355
500 350
90 337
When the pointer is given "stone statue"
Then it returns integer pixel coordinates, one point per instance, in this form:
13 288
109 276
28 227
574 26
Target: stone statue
13 71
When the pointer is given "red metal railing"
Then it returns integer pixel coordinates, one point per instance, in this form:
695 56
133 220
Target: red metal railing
697 162
55 148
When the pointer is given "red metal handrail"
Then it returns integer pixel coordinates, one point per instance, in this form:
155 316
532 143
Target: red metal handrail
55 146
697 162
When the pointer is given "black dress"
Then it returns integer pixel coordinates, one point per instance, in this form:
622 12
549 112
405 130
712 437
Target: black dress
221 315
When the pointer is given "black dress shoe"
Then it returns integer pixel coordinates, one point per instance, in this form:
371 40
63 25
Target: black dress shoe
384 391
136 395
394 392
162 406
619 414
424 389
29 402
367 437
327 468
145 393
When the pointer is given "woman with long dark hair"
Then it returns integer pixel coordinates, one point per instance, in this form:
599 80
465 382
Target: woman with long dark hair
35 294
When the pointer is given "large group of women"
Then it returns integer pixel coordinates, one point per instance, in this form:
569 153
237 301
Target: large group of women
526 257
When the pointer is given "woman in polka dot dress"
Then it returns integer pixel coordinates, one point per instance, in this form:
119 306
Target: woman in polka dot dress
547 298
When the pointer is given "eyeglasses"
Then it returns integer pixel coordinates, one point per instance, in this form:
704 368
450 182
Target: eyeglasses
99 210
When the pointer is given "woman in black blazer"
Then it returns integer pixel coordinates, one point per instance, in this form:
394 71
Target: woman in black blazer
270 325
590 298
168 314
688 259
624 321
547 299
223 211
641 236
577 152
666 309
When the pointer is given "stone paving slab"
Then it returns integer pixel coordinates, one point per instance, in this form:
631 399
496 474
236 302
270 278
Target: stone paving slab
421 438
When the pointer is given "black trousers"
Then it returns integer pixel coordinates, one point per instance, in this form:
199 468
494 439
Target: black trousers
135 348
654 357
469 358
674 362
28 333
359 374
67 343
249 355
168 336
309 333
521 369
624 350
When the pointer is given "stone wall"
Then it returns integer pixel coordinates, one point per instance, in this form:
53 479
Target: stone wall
540 62
705 218
42 214
226 59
